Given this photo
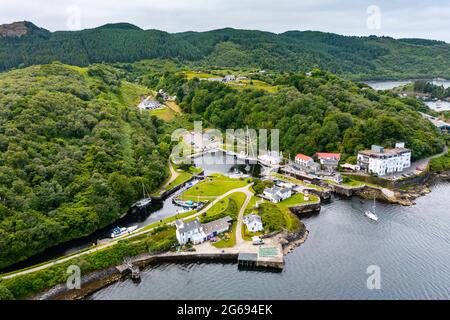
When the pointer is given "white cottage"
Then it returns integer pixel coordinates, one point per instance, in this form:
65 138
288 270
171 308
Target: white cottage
191 231
253 223
277 194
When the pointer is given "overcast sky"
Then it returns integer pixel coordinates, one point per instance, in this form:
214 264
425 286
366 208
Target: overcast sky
407 18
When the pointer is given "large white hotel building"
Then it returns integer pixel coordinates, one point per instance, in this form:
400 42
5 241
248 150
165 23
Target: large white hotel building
383 161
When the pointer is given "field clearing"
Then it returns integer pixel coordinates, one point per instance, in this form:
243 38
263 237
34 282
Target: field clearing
216 185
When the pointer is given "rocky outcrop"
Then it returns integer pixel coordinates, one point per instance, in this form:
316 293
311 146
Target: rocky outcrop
18 29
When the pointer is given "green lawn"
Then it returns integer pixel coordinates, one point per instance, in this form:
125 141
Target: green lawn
298 199
296 181
229 206
214 186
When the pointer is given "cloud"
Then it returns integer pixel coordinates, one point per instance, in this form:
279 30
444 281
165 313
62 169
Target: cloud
398 18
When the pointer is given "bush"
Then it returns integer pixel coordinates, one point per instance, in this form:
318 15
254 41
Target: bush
5 294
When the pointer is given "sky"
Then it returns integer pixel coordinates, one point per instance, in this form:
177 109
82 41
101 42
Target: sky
428 19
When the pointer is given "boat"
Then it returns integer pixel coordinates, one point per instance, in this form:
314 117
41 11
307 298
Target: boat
145 201
192 183
371 214
118 232
185 204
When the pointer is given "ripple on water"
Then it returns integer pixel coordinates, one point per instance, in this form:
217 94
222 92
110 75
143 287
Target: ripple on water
410 244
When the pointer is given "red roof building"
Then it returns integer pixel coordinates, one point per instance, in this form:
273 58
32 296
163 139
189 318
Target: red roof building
328 156
302 157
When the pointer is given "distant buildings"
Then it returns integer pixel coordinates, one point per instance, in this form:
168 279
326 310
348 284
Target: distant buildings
165 96
149 104
383 161
277 194
444 127
196 233
253 223
303 160
329 161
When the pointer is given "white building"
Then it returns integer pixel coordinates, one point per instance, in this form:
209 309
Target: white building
195 232
253 223
277 194
191 231
304 160
383 161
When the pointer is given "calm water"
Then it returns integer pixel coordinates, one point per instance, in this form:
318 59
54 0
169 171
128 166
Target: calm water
158 210
410 244
388 85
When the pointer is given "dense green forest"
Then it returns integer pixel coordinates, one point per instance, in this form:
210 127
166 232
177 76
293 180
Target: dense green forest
73 154
435 91
318 113
351 57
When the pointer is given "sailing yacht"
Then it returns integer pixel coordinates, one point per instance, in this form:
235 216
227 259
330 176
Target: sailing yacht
145 201
371 214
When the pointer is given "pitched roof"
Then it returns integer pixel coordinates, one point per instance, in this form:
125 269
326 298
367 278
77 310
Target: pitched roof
301 156
184 227
325 155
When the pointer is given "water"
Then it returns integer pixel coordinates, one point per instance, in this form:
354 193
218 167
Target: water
387 85
410 245
390 84
158 210
218 162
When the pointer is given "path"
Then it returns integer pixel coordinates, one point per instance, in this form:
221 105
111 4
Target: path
239 239
173 176
137 233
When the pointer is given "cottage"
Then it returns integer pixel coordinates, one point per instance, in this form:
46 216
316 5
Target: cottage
303 160
329 160
191 231
253 223
277 194
229 78
214 228
195 232
383 161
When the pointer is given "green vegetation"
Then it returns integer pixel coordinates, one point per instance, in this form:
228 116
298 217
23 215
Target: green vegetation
276 218
213 186
22 286
298 199
228 206
435 91
440 164
315 113
353 57
5 294
74 153
260 185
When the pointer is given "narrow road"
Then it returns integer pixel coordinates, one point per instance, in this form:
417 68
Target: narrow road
239 239
173 175
137 233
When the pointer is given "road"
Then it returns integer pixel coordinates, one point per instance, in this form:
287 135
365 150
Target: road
173 175
140 232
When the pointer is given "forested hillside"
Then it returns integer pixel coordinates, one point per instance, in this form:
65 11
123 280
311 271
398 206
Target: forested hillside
73 154
318 113
351 57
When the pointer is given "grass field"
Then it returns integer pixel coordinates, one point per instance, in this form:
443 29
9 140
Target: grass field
213 186
297 199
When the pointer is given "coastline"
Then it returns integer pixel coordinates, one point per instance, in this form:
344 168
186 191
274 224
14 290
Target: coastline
103 278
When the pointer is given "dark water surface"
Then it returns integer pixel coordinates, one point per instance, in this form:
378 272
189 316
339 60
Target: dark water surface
411 245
